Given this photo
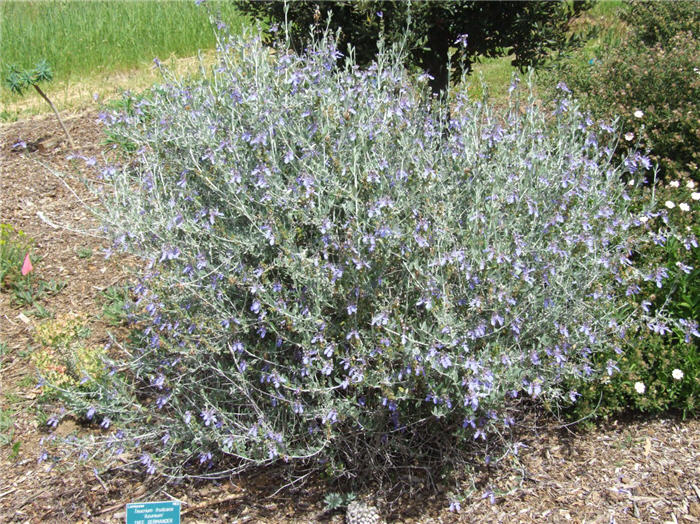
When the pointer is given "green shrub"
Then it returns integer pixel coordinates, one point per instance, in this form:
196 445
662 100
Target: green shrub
650 78
339 274
655 377
659 369
656 23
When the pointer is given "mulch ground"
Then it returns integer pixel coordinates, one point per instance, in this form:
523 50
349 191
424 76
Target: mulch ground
631 470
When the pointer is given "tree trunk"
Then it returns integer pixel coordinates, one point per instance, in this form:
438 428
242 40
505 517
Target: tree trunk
70 139
436 64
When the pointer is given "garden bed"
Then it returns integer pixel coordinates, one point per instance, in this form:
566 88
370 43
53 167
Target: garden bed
628 470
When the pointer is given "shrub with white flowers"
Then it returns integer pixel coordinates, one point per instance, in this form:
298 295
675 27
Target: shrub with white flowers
341 273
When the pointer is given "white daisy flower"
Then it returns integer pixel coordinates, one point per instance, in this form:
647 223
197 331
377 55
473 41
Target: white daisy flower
690 184
640 388
674 183
695 196
631 182
643 219
677 374
638 114
669 204
629 136
683 206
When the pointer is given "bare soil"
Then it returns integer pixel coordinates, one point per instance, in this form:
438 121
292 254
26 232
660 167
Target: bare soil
629 470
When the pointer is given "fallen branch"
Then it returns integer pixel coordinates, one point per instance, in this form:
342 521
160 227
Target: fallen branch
11 490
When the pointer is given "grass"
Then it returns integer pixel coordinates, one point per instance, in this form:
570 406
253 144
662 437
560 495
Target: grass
93 90
607 9
493 75
601 26
78 37
94 43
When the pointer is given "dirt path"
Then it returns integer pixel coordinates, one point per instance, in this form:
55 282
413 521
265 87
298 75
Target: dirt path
629 471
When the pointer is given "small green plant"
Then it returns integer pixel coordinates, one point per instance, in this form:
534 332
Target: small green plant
12 398
19 80
22 293
7 427
27 291
113 308
40 311
26 381
334 501
84 252
51 288
4 350
14 454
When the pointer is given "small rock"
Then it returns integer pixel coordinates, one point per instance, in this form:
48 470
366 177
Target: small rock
360 513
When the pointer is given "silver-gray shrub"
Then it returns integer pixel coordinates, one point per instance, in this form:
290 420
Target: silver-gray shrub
339 272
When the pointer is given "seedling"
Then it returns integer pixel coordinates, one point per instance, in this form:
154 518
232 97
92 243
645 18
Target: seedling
113 308
52 287
7 427
15 451
84 252
22 293
41 312
18 80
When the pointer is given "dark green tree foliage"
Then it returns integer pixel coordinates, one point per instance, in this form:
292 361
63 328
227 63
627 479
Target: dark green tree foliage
529 30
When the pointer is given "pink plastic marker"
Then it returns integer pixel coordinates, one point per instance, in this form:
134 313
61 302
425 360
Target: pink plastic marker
27 266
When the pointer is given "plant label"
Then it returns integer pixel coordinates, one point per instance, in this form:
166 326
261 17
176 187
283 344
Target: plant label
153 513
